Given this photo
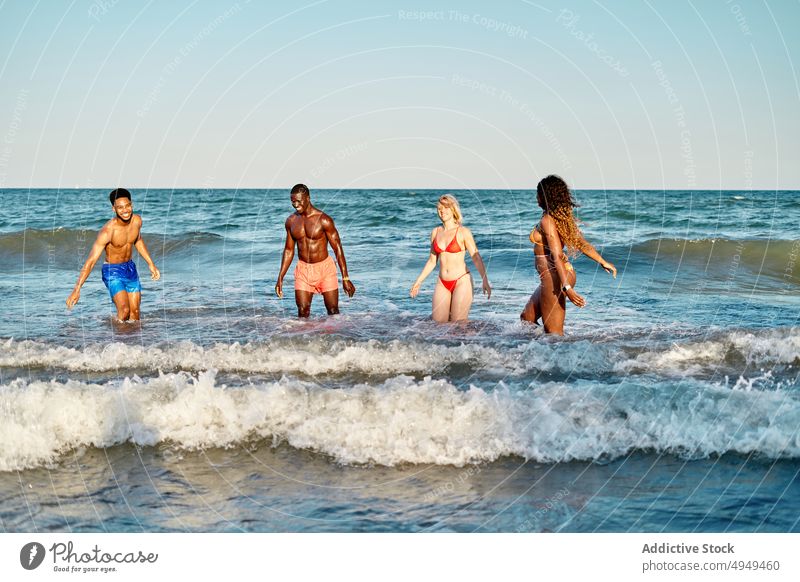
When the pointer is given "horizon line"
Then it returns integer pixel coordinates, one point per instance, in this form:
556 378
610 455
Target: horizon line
383 188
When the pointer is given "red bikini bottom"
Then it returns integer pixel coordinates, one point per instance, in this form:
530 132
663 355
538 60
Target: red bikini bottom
450 285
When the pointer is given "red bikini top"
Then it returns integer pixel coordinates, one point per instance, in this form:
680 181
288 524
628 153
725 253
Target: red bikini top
451 248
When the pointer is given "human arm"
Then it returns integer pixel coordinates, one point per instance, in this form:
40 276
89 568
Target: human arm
336 244
103 238
426 270
286 260
588 250
155 274
472 249
548 228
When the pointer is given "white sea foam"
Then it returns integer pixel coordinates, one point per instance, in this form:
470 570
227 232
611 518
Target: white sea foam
308 357
398 421
690 358
753 349
320 357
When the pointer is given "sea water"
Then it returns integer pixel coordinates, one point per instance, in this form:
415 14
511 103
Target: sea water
672 404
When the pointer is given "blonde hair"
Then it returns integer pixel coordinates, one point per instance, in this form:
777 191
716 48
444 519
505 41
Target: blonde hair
450 202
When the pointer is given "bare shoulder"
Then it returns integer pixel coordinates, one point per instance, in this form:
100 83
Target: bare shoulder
106 231
548 224
434 232
326 221
466 237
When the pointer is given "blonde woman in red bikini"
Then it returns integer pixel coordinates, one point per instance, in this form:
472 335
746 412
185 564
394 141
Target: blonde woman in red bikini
452 297
555 238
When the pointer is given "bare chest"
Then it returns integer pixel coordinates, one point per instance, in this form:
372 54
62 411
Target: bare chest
124 236
307 228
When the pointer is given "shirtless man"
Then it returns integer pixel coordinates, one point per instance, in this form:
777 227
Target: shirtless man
117 238
311 230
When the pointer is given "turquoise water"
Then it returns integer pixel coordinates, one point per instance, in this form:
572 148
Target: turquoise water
671 405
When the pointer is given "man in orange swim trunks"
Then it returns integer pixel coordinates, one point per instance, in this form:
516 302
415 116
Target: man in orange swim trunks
311 230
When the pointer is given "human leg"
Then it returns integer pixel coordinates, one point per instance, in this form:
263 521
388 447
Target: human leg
441 303
553 314
554 302
303 300
533 310
461 299
122 282
134 300
331 299
303 289
551 309
121 303
327 283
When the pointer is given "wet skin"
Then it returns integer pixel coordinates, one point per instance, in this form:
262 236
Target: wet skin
548 302
453 306
310 230
117 239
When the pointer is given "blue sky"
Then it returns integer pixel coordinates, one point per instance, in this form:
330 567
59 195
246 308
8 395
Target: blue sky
341 94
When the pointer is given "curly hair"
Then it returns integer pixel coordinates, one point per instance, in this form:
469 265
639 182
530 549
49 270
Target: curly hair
555 198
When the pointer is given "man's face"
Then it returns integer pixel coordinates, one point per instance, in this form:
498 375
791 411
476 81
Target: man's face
300 202
124 209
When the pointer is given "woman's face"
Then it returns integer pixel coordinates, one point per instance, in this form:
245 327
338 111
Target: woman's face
445 212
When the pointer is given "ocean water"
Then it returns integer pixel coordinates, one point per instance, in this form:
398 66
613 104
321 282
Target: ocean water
672 404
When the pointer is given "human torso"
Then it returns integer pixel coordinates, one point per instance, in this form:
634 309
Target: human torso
449 246
544 259
309 235
540 247
123 237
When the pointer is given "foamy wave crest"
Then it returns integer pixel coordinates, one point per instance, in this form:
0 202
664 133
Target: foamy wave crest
310 357
734 348
729 352
398 421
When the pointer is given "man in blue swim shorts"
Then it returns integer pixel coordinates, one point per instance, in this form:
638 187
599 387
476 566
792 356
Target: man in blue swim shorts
118 238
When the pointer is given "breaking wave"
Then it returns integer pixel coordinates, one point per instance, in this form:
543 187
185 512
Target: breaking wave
400 420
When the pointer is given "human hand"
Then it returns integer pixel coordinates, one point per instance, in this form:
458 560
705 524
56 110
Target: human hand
610 268
415 289
73 298
487 289
575 298
279 288
349 288
155 274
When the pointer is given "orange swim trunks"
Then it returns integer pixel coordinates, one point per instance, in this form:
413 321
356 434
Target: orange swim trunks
316 277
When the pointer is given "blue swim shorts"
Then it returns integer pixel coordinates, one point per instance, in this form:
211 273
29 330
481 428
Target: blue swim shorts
121 277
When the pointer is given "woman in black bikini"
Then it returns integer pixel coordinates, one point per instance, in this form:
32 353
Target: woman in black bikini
452 298
555 238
